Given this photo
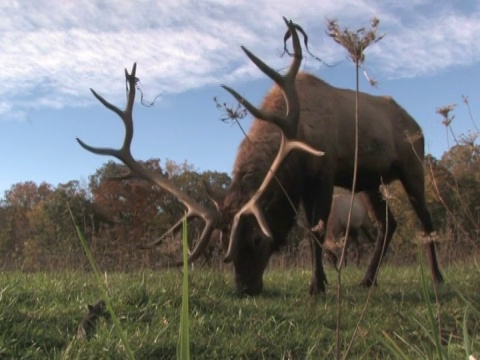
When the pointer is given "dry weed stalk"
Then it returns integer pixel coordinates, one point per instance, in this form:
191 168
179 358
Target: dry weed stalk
355 42
466 101
445 112
466 140
230 113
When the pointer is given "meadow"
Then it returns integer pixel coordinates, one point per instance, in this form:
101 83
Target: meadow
40 313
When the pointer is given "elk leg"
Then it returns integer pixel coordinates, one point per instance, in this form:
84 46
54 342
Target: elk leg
429 246
387 226
353 246
319 279
343 248
317 201
331 257
367 228
416 194
358 254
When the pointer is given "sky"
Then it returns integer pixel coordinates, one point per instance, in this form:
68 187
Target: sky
53 52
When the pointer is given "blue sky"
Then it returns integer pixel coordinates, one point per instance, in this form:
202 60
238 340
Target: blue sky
52 52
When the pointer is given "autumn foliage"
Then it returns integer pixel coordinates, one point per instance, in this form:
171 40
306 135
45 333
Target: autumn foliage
117 215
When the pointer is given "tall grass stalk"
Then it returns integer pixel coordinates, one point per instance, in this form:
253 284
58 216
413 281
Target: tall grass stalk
470 310
184 338
347 233
473 309
355 42
104 289
392 346
431 316
372 288
432 331
467 343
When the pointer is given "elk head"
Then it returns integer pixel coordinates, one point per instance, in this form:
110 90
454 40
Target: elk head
250 237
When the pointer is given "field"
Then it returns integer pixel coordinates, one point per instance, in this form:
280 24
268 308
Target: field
40 313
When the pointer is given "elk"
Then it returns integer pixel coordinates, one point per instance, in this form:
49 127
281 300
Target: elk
338 223
279 167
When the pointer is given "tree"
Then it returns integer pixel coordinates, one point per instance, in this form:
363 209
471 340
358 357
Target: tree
53 241
17 204
463 162
139 212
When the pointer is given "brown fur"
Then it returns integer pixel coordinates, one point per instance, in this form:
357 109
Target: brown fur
337 227
326 123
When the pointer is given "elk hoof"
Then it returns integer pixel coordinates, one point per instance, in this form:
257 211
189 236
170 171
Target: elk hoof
438 278
366 283
316 288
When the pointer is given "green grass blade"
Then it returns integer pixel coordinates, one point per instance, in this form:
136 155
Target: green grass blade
393 347
101 284
411 346
184 339
431 316
466 339
474 309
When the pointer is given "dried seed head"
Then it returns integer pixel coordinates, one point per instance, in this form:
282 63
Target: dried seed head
413 137
444 111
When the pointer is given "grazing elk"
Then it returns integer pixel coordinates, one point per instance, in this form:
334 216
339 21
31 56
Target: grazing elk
270 180
338 223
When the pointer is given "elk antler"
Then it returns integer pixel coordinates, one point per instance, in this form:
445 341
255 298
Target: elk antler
136 169
288 124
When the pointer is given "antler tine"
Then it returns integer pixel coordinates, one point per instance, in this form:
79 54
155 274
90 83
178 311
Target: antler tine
252 207
288 124
124 155
159 240
197 251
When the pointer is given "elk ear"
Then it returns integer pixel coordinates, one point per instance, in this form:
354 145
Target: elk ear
216 196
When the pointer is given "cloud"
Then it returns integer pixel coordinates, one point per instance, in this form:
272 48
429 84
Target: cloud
430 45
51 58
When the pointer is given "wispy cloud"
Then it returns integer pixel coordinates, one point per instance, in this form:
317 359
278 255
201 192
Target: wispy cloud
52 51
431 43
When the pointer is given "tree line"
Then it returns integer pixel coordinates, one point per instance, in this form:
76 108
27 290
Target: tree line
117 215
37 221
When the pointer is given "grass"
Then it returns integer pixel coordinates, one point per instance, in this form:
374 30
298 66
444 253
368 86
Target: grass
184 336
104 291
40 312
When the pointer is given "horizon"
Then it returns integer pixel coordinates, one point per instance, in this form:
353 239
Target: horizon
429 58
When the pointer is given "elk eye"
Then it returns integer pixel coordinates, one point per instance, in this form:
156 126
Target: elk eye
257 240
